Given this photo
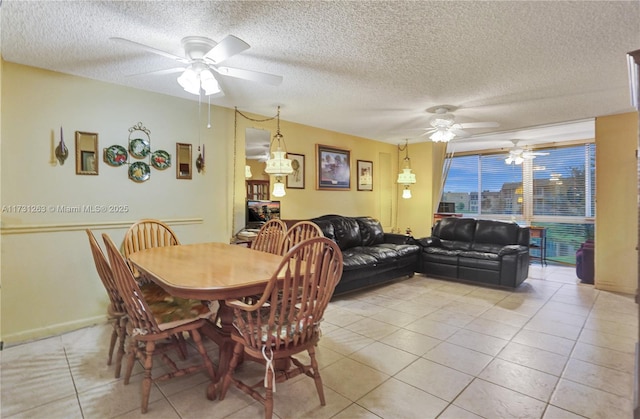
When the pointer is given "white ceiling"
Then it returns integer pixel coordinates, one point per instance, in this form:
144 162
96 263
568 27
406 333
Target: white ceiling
366 68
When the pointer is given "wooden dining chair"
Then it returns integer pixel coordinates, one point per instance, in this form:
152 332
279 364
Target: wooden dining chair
270 236
145 234
116 311
150 335
286 319
299 232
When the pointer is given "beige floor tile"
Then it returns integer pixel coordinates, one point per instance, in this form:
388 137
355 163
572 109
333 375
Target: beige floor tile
555 328
465 307
409 341
607 326
491 328
502 315
492 401
372 328
612 316
363 308
544 341
383 357
192 403
455 412
459 358
351 378
160 409
590 402
525 380
344 341
431 328
617 382
567 308
535 358
67 407
394 317
607 340
450 317
521 305
478 342
396 399
553 412
355 411
300 400
115 398
340 316
552 315
443 382
417 308
609 358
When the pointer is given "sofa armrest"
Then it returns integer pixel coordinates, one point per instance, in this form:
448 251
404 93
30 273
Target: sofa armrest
512 249
428 242
397 238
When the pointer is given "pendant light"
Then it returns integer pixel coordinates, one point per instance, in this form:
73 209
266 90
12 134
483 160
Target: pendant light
405 177
278 165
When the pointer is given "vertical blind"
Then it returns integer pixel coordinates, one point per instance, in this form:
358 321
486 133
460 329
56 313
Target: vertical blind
553 188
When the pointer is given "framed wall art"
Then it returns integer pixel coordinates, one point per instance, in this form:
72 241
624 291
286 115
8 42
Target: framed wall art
296 179
365 175
333 168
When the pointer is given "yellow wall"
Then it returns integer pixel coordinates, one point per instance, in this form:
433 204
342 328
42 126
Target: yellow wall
616 258
49 283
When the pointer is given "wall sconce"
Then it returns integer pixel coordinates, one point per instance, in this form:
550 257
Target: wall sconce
278 165
405 177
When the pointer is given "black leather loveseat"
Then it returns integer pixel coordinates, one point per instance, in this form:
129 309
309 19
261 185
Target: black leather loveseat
487 251
370 255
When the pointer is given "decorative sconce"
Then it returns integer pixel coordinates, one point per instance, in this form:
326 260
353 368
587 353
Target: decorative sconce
278 165
406 178
61 151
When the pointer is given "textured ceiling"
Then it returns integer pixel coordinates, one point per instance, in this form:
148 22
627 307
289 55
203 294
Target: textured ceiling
370 69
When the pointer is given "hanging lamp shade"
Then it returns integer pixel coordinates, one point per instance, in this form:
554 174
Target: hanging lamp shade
247 171
406 177
278 188
406 193
278 164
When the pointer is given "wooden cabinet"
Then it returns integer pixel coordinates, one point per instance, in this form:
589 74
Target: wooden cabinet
258 189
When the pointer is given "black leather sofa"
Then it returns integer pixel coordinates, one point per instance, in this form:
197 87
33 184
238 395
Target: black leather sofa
370 255
485 251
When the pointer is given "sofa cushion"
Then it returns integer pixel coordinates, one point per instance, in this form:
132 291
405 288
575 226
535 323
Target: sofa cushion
347 232
455 233
401 250
382 255
370 231
353 259
495 232
440 255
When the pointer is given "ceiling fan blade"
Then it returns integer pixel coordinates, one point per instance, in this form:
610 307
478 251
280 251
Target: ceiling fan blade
160 72
151 49
226 48
249 75
479 125
460 132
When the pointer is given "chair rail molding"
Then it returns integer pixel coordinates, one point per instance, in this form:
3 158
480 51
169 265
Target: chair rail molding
102 225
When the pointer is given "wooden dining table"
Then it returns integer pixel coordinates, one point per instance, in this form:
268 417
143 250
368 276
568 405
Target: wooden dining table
209 271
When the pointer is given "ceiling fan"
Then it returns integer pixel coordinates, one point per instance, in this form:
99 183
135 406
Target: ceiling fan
518 155
444 127
202 57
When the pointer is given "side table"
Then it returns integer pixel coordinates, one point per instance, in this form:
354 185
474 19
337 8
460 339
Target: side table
538 240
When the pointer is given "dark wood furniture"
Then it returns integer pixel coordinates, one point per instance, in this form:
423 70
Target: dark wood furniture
538 236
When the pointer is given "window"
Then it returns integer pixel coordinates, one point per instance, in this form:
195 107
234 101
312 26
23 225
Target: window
555 189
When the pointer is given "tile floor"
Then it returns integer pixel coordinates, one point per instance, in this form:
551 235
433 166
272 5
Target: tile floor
416 348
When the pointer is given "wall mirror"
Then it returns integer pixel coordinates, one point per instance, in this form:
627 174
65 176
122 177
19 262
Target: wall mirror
86 153
183 158
257 143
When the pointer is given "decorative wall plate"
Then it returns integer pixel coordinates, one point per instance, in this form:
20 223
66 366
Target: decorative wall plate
139 148
160 159
116 155
139 171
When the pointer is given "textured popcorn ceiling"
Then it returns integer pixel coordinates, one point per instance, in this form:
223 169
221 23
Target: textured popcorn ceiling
369 69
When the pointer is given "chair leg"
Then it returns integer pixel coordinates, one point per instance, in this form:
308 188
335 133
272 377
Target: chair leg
268 396
131 358
114 338
146 381
237 352
122 335
197 339
316 375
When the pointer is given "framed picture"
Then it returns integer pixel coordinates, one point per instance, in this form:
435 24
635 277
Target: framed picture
365 175
333 170
296 179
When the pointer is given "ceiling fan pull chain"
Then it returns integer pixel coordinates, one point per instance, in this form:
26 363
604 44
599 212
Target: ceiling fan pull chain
209 113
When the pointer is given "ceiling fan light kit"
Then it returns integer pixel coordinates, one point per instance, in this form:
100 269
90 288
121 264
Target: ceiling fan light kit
202 55
444 127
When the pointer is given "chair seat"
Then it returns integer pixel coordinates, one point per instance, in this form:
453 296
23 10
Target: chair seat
168 309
